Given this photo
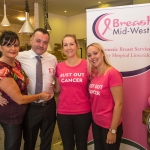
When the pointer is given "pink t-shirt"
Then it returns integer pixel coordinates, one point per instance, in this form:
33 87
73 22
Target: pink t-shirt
73 97
101 97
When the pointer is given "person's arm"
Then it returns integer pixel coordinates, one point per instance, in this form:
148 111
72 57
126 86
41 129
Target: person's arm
10 87
117 93
56 86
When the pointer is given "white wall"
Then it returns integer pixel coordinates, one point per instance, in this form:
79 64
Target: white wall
62 25
77 25
24 38
59 25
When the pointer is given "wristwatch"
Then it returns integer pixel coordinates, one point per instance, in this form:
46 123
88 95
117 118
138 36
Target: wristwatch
113 131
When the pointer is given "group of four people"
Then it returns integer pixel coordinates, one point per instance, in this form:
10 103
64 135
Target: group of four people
89 92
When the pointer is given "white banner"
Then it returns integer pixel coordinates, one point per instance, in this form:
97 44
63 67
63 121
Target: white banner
124 32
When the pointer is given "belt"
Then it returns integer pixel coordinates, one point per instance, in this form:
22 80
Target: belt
45 103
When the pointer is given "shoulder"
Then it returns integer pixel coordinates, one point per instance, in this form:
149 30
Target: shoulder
50 56
24 54
114 76
114 72
60 64
18 64
83 64
84 61
4 70
4 65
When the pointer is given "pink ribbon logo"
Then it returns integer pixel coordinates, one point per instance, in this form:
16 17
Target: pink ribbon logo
107 24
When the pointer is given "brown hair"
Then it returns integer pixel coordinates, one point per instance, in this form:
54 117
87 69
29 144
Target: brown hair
8 38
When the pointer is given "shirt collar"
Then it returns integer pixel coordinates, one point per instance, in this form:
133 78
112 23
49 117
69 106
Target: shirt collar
33 54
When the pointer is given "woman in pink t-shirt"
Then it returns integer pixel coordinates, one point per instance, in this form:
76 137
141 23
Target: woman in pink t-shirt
106 96
73 108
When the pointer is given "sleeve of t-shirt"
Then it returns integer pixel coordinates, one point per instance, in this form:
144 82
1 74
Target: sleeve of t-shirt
115 78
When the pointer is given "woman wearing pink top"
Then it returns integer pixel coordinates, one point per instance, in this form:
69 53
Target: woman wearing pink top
73 109
106 96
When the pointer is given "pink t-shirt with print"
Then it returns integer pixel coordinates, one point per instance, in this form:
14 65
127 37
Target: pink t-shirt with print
74 96
101 97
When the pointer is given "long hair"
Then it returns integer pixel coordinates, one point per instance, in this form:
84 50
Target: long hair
106 59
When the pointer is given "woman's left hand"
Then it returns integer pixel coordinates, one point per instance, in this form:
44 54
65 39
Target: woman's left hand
111 138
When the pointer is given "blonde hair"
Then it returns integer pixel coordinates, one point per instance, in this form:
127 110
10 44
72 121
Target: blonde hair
105 58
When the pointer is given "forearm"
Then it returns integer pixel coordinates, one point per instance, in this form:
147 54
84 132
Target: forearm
117 93
15 94
25 99
116 116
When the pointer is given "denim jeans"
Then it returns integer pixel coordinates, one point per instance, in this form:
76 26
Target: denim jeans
13 136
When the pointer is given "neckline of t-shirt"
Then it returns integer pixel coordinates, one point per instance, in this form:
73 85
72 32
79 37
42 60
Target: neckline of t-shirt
104 73
74 66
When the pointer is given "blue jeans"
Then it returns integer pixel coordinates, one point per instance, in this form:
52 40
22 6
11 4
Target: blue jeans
13 136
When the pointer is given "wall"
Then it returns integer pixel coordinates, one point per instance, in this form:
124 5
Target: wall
82 43
74 25
77 25
58 23
140 1
24 39
61 25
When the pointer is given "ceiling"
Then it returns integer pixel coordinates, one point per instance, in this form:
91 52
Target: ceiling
16 8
